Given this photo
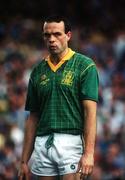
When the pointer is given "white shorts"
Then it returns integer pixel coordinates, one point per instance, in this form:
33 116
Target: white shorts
59 159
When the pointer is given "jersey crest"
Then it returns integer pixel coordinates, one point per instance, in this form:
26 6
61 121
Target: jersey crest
68 77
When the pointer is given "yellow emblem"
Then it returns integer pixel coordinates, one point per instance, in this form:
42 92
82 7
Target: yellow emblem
67 78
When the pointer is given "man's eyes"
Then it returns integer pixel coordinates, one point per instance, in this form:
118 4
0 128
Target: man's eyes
47 35
57 34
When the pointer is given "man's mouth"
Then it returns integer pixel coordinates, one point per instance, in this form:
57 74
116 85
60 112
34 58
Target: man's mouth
52 47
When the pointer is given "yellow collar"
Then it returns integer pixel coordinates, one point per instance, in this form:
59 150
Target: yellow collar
65 58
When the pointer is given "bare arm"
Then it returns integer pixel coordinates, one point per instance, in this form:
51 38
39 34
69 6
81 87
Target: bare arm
87 160
89 126
29 138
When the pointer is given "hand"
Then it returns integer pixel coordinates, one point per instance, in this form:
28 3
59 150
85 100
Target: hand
85 166
24 172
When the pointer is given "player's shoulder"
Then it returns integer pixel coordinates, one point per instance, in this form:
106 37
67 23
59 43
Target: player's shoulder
37 67
39 64
83 59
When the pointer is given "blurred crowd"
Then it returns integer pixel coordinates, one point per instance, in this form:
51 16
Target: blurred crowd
21 46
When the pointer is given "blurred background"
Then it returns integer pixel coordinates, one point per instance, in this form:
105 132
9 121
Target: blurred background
98 32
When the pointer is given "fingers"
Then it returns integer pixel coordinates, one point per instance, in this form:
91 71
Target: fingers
85 172
24 172
20 176
78 169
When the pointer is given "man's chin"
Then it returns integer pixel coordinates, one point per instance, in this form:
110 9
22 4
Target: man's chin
53 51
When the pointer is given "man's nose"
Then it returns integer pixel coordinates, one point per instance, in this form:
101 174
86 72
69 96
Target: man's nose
52 38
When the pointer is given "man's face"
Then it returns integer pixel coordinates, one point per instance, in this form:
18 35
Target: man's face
55 37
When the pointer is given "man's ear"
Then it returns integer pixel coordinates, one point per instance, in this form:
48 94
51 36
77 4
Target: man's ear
69 34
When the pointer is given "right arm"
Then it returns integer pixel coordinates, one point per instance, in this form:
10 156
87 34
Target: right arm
29 139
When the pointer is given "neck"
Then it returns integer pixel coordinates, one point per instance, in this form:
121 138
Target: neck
56 58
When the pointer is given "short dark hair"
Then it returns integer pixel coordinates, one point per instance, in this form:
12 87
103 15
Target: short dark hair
58 18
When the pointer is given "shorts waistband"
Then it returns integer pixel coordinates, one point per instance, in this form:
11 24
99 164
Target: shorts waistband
50 138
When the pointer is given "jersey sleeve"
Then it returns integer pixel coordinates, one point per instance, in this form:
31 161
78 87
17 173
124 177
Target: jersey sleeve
31 99
89 83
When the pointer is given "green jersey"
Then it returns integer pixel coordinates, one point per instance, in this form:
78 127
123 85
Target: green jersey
56 93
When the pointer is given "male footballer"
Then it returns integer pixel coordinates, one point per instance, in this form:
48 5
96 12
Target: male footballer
62 99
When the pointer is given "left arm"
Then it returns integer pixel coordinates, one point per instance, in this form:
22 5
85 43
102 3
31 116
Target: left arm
86 162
